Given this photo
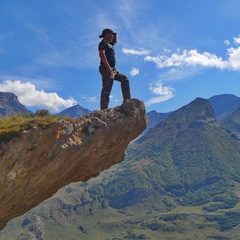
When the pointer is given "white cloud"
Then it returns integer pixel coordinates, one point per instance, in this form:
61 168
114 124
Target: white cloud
165 93
134 51
236 40
113 99
39 81
166 50
193 58
158 99
178 73
227 42
31 97
187 58
234 59
134 71
89 99
159 89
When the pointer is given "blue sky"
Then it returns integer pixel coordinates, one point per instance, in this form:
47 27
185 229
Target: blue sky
173 51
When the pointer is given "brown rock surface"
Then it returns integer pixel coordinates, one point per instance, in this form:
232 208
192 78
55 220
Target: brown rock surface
38 162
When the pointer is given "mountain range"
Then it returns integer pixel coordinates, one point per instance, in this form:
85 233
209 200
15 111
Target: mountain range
180 180
10 106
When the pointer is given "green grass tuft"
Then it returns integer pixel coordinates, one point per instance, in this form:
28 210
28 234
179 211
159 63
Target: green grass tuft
10 126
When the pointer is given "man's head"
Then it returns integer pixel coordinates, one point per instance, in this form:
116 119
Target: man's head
105 32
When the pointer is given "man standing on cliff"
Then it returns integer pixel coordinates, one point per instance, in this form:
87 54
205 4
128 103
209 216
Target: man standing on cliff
108 70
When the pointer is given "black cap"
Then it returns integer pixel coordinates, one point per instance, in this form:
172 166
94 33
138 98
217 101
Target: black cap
105 31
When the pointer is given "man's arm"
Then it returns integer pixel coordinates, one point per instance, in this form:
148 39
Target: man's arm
103 58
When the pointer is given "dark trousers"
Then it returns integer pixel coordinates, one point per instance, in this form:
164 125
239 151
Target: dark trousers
107 82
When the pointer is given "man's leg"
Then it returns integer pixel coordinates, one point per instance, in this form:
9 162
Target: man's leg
124 85
125 90
107 83
106 89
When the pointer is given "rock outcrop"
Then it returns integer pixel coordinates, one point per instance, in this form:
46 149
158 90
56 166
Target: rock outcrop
36 163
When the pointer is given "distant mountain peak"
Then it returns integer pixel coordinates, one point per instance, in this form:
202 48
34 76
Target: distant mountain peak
198 110
75 111
193 145
9 105
223 104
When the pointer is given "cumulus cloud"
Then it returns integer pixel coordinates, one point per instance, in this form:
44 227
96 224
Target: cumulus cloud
236 40
164 93
134 51
234 59
31 97
192 58
159 89
134 71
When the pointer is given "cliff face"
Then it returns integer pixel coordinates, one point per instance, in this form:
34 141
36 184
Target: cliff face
9 105
38 162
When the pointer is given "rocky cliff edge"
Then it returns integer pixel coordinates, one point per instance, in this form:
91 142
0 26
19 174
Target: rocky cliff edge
36 163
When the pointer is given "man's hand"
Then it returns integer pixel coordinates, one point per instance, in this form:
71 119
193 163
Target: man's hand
110 71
